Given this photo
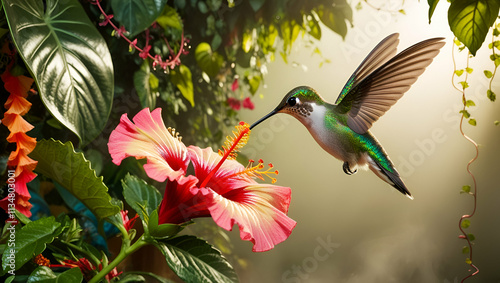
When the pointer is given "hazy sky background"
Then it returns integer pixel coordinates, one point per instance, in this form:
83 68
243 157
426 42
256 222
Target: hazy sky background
358 228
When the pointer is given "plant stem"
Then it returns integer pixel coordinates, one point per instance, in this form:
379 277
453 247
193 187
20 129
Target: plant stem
126 250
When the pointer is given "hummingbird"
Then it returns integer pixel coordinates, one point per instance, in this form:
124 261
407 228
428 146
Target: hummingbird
342 129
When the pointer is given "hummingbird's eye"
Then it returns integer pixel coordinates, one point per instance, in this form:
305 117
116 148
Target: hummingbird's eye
292 101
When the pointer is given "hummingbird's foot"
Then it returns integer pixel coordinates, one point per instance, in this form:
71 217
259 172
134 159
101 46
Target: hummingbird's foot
347 169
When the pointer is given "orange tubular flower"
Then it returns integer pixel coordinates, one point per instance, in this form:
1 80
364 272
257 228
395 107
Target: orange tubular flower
20 165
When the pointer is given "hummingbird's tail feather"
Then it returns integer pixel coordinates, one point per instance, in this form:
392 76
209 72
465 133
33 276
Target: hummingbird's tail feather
392 178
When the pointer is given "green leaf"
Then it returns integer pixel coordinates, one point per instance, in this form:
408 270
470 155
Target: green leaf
44 274
432 7
209 61
465 250
181 77
165 230
465 223
256 4
491 95
469 70
335 16
69 60
472 122
496 123
464 84
469 103
137 15
146 85
62 164
30 241
459 72
254 83
488 74
194 260
470 21
314 29
246 41
471 237
465 189
169 18
468 261
465 113
143 198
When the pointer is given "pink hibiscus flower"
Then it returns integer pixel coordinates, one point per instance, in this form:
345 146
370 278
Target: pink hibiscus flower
221 187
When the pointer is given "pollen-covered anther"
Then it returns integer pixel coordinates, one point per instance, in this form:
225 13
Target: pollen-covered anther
174 134
256 171
234 143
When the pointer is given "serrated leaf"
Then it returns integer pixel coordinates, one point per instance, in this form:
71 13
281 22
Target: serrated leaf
30 241
44 274
143 198
169 18
432 7
142 83
194 260
137 15
472 122
470 21
181 78
465 223
488 74
69 60
71 170
209 61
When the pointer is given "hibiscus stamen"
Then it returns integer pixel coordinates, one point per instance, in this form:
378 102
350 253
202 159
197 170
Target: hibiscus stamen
231 146
234 144
174 133
257 172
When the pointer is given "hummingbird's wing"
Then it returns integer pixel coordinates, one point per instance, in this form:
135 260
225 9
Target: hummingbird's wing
379 81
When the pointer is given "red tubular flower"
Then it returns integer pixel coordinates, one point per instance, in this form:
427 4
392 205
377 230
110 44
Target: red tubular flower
221 187
234 103
20 165
248 104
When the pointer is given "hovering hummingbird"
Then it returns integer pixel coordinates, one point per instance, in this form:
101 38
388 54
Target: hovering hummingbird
342 129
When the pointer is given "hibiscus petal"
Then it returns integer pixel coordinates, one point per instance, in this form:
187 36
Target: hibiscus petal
149 138
181 202
226 178
258 209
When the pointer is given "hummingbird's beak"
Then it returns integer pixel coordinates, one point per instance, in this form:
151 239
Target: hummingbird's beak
264 118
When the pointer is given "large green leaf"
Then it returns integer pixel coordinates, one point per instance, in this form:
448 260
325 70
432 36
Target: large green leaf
71 170
432 7
44 274
69 60
194 260
146 85
182 79
142 197
137 15
209 61
335 16
169 18
470 21
30 241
